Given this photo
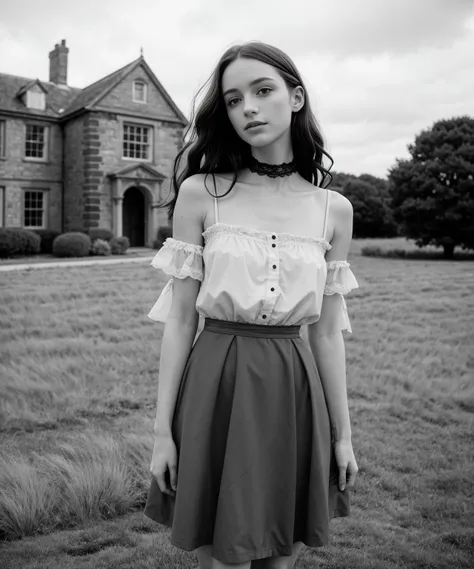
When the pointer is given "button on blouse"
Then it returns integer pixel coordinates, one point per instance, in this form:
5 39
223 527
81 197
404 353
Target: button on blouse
243 279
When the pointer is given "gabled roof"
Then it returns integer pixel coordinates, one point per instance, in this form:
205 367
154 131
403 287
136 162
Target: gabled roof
141 170
63 101
58 97
31 84
92 95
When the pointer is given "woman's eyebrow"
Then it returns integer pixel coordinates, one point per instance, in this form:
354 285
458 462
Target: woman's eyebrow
254 82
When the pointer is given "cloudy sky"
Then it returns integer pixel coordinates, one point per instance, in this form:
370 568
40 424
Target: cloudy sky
377 71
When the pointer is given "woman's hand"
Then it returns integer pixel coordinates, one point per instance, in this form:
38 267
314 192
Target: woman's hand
165 459
346 463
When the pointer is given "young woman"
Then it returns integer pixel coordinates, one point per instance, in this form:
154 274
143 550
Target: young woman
253 452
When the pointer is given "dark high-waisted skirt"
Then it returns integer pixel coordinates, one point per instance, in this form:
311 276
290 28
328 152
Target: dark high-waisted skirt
256 467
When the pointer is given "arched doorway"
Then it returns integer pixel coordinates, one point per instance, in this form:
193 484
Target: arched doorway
133 212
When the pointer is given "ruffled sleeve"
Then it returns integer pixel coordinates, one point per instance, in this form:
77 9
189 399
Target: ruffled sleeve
340 280
176 259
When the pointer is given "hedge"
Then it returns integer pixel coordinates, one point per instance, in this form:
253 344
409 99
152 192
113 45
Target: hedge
119 245
16 241
73 244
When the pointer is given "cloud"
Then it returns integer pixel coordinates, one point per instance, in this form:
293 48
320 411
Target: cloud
338 28
377 72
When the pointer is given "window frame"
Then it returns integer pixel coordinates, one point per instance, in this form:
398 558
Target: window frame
45 193
3 138
2 206
150 141
145 92
45 156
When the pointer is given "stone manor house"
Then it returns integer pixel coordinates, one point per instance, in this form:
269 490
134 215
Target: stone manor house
73 159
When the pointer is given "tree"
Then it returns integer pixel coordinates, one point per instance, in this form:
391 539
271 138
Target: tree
370 210
433 191
371 202
379 183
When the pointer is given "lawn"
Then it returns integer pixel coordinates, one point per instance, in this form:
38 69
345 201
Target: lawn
78 368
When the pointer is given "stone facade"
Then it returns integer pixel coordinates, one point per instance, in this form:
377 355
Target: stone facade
19 174
73 173
88 181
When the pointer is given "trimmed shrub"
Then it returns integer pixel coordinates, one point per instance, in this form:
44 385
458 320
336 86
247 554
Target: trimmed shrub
100 233
162 235
388 253
101 247
47 237
73 244
373 251
18 241
119 245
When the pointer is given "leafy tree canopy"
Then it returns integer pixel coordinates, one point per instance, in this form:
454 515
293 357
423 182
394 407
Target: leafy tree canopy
370 199
433 191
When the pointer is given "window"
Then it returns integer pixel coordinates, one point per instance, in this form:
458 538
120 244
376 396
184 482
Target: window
35 100
136 142
2 139
36 142
2 201
139 92
34 209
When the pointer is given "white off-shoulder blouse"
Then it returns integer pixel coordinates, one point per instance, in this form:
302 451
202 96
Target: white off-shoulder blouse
254 276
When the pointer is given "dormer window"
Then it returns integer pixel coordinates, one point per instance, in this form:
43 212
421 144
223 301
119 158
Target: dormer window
35 100
33 95
139 92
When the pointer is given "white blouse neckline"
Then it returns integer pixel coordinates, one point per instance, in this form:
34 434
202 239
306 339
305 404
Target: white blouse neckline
263 234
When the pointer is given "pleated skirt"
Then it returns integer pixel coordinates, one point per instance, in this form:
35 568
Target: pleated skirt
256 467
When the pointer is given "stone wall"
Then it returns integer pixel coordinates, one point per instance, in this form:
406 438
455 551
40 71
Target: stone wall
93 149
73 174
18 173
107 130
121 98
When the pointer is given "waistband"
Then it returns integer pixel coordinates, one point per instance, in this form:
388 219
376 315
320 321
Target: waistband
251 330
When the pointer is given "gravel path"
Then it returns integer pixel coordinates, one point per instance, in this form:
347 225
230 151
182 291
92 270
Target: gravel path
54 264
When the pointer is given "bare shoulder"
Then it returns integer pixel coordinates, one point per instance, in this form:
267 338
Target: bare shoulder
190 211
201 185
341 208
192 188
340 223
193 195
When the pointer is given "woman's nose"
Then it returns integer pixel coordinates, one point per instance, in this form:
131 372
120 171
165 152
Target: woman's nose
250 108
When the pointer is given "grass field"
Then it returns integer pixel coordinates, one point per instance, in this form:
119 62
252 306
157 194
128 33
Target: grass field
78 368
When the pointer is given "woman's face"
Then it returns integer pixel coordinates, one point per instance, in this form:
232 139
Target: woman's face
255 91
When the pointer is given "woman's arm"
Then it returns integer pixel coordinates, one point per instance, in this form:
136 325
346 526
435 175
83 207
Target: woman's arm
182 321
327 344
329 355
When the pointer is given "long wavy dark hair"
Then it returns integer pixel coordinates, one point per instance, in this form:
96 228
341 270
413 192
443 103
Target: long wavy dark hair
214 147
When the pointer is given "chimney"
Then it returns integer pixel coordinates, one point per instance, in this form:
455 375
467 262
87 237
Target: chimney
58 63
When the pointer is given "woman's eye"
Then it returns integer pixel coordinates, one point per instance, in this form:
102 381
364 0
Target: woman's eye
264 91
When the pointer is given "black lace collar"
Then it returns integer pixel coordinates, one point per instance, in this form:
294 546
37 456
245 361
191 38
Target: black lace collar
272 170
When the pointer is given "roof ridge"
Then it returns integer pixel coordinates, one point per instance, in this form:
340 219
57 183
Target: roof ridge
84 94
110 74
29 79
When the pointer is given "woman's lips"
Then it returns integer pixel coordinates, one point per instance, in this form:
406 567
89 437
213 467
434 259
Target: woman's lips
255 126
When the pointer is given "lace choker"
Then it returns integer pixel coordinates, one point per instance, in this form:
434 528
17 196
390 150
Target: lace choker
272 170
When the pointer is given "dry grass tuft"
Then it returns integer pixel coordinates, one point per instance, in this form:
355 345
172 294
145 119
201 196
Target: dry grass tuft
89 476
